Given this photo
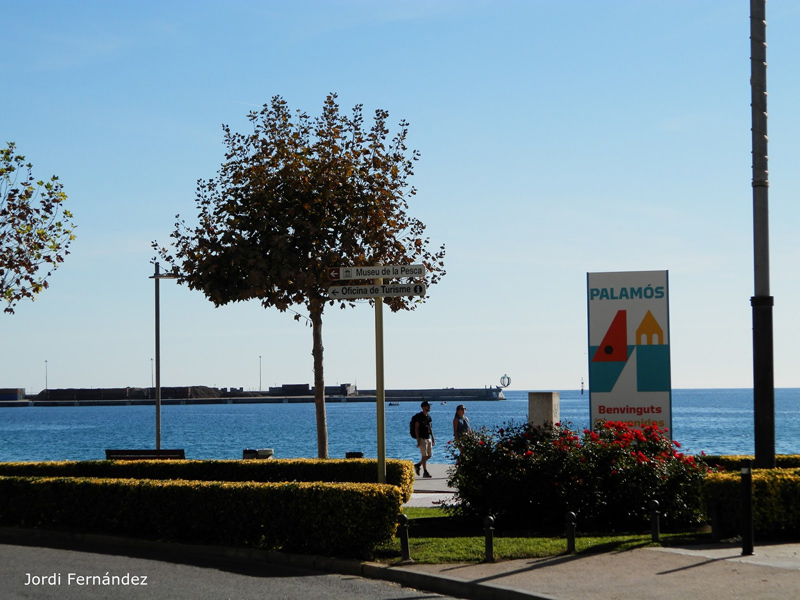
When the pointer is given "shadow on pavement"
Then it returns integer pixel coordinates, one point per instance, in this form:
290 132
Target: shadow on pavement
182 554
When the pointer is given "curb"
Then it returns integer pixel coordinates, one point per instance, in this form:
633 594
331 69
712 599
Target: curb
402 575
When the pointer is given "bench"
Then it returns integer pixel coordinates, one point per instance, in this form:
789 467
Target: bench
145 454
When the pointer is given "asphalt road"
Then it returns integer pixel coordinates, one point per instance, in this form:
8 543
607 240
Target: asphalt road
30 572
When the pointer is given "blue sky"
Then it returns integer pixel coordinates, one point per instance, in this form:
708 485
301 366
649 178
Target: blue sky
556 139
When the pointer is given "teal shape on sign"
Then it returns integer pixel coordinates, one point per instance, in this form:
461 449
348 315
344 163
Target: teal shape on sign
652 368
603 375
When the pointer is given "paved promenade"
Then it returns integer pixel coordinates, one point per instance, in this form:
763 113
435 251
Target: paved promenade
433 491
710 573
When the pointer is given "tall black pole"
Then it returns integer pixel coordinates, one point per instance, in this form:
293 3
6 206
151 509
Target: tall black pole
157 276
761 302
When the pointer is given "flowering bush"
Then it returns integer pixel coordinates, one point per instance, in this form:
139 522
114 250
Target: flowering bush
532 476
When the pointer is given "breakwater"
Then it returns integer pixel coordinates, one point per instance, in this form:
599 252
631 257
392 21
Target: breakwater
204 395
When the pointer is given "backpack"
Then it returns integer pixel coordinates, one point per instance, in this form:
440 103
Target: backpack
412 428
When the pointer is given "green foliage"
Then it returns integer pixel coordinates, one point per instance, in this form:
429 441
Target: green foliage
294 198
398 472
776 502
344 519
735 462
532 476
35 229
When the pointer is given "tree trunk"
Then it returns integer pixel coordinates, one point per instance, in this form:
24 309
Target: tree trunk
315 310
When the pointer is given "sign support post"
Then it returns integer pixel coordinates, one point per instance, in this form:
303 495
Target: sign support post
378 291
380 391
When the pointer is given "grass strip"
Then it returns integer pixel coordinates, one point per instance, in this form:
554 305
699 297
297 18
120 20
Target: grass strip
471 549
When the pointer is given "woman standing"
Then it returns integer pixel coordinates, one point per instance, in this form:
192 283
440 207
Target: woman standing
460 422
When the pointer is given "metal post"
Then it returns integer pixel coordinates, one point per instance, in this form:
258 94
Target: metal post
404 545
747 508
655 523
716 534
570 521
158 276
762 301
380 392
488 530
158 362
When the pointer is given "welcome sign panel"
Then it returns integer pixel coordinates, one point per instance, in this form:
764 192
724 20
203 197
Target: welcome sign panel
629 360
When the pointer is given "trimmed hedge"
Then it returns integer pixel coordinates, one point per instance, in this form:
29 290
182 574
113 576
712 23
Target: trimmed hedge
398 472
734 462
776 502
348 519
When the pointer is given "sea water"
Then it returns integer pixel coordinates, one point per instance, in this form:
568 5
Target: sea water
714 421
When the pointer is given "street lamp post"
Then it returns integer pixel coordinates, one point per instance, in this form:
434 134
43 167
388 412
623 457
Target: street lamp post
158 276
761 301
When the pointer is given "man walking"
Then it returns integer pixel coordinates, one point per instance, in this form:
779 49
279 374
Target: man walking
423 428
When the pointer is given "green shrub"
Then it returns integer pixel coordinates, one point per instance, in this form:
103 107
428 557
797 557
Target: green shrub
735 462
533 475
776 502
398 472
348 519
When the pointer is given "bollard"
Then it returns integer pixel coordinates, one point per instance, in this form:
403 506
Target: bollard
570 519
655 523
403 532
747 508
716 534
488 529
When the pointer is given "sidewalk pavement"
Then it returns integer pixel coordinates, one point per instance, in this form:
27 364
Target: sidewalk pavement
710 572
433 491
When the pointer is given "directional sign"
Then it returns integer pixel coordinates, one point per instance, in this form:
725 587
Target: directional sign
354 292
376 271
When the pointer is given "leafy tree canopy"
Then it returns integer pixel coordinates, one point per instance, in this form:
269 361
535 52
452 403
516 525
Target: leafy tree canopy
35 229
294 198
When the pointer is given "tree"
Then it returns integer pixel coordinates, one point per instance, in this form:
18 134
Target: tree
35 229
294 198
